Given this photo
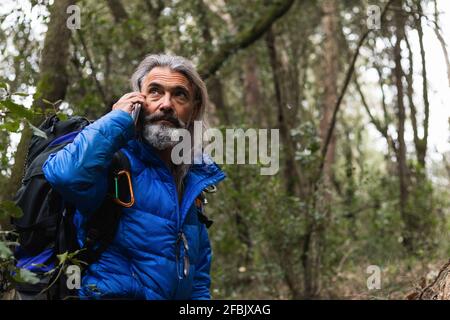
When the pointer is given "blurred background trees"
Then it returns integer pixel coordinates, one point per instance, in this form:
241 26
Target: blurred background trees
360 182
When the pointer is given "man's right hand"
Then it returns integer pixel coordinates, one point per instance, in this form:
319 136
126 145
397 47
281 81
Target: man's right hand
127 101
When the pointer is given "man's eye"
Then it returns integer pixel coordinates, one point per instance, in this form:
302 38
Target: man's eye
181 94
154 91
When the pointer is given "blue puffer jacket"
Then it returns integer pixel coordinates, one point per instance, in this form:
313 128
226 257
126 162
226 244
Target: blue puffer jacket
141 262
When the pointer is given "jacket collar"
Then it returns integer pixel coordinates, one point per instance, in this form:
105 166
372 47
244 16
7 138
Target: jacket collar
199 176
147 154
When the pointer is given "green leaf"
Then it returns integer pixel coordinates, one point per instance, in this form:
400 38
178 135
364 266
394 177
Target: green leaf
79 263
62 257
17 109
9 209
37 132
24 275
5 252
4 85
46 101
21 94
11 126
62 116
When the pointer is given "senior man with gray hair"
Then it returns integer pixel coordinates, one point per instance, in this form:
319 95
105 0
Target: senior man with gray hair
161 249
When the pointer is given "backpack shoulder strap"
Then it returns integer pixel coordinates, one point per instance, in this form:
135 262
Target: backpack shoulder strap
120 162
102 224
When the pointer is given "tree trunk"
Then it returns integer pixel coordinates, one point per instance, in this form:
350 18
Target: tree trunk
252 93
290 170
214 83
51 86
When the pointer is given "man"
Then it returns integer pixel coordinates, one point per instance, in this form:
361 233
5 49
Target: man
161 250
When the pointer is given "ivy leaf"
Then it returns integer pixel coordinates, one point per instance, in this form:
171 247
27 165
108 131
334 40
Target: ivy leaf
9 209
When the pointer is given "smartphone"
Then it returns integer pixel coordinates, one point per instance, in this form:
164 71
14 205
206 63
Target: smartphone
135 113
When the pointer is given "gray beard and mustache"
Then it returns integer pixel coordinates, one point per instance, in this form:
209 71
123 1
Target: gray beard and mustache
161 136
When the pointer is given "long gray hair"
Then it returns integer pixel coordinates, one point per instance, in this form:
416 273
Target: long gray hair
201 100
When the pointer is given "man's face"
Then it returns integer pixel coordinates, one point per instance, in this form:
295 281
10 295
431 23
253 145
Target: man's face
169 106
168 93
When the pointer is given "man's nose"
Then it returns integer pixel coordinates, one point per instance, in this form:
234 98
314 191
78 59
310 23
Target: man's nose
166 102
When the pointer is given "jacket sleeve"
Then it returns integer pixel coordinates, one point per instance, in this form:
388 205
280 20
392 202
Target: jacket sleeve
202 279
79 170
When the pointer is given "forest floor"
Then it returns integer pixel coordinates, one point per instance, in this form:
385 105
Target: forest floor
398 281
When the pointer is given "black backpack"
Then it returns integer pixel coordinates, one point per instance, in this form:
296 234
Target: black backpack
47 220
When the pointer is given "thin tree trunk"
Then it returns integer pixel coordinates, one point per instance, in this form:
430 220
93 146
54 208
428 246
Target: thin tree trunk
330 78
441 40
410 93
423 145
401 117
381 127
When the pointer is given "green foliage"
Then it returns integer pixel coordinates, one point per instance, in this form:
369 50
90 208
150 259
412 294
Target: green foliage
9 273
9 209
